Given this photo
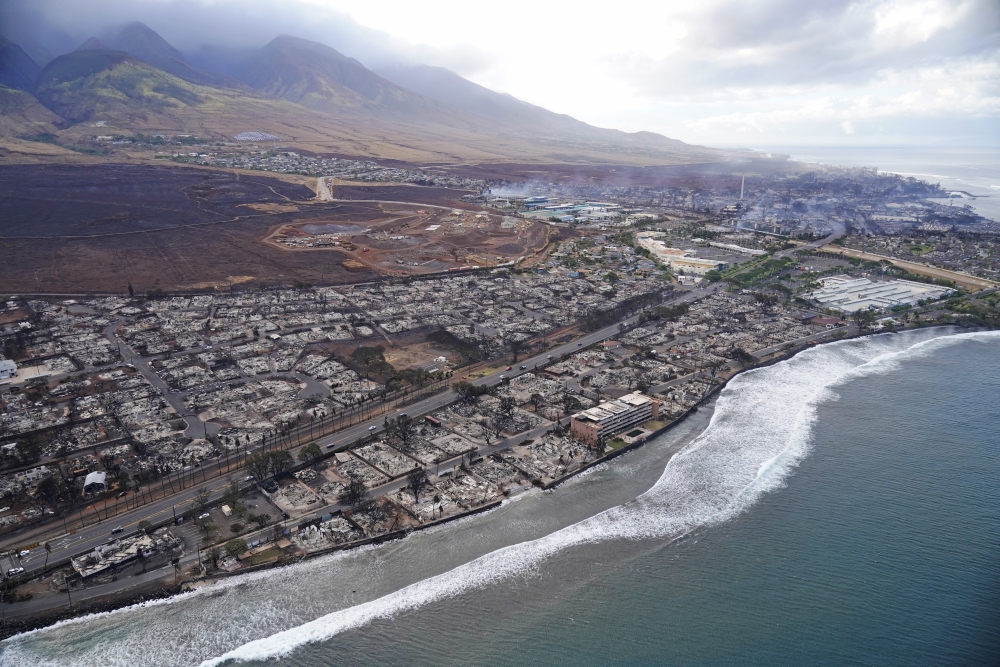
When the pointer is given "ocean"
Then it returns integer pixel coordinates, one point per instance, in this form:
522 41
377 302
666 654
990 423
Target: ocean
841 507
973 169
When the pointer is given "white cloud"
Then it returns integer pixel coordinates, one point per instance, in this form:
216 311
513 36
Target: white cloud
711 71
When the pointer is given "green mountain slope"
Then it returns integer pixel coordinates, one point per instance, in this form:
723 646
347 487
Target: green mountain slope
80 84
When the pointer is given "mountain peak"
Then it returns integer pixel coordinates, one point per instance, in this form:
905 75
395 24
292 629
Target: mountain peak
143 42
322 78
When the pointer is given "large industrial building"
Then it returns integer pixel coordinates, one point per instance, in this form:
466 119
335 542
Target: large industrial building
608 419
677 259
848 294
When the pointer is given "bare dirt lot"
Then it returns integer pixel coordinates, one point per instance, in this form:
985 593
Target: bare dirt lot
95 228
411 240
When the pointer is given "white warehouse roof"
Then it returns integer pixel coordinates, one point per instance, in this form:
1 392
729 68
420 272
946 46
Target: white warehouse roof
851 294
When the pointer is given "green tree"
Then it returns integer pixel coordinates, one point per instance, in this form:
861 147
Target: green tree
310 453
863 318
279 462
235 547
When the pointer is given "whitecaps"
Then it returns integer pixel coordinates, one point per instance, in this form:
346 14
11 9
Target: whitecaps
759 432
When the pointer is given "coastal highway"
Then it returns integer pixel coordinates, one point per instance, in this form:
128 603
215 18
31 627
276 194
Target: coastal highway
163 510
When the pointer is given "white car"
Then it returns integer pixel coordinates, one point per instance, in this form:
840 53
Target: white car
24 553
372 428
15 571
204 516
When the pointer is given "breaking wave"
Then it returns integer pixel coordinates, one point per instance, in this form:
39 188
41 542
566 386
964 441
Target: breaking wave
758 433
760 430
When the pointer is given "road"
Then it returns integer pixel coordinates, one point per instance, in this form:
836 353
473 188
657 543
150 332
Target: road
163 510
839 231
962 279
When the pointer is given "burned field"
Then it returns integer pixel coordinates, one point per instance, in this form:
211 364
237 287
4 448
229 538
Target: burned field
96 228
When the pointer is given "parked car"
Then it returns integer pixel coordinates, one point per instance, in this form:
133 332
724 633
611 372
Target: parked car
14 571
123 494
503 377
116 530
204 516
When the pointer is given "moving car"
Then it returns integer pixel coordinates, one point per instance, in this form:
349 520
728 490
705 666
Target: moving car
204 516
116 530
371 428
24 553
509 368
14 571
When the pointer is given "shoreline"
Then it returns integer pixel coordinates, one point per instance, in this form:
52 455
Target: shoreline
155 591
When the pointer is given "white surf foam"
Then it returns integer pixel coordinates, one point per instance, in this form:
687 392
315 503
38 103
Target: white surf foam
758 433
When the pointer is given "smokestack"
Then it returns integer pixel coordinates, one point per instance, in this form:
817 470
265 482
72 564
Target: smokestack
743 181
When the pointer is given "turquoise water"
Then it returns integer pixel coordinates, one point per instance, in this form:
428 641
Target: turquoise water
841 508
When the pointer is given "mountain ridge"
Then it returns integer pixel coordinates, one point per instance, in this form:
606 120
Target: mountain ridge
324 101
17 69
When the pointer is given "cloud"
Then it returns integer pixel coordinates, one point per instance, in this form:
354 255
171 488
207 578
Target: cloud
710 71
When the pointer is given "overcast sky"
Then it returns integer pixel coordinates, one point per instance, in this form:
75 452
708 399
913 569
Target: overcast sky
760 73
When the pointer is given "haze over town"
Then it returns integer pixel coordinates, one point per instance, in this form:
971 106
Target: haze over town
438 333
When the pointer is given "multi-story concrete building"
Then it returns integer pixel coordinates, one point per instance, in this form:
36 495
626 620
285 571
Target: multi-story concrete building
8 369
612 417
677 259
